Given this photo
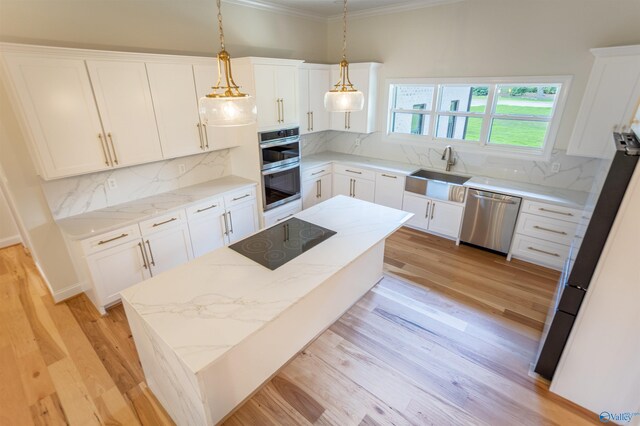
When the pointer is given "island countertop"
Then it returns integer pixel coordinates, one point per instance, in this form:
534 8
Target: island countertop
204 308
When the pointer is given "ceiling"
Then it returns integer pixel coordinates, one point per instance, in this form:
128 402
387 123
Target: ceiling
333 8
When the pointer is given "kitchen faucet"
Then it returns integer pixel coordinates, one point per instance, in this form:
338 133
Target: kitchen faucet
451 161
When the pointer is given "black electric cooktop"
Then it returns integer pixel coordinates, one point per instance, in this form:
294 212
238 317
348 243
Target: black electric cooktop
281 243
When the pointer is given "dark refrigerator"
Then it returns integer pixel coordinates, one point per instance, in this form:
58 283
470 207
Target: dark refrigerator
574 282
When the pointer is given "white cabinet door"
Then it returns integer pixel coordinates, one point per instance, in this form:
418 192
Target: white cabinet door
243 220
205 76
445 218
364 78
126 108
420 207
311 192
267 101
286 81
364 189
61 114
357 120
116 269
207 233
326 188
319 84
610 101
176 109
389 189
305 109
342 185
169 248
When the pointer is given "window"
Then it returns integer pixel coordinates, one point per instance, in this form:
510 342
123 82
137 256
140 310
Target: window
505 115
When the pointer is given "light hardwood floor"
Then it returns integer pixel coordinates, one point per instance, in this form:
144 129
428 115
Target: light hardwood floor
445 338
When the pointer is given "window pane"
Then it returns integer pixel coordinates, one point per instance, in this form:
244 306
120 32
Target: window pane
463 98
518 133
414 97
416 124
533 100
456 127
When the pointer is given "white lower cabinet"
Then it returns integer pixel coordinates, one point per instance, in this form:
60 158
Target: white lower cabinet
115 269
436 216
168 248
282 213
206 226
389 189
243 220
355 187
317 186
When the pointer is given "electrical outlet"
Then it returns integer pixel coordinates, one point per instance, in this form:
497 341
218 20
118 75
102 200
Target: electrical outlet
111 182
358 140
181 168
555 167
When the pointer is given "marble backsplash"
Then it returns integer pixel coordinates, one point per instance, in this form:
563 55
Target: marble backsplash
576 173
80 194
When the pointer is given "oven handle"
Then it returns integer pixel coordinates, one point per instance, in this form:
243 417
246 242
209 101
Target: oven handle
279 142
280 169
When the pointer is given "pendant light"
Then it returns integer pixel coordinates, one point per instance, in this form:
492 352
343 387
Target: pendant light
344 97
226 106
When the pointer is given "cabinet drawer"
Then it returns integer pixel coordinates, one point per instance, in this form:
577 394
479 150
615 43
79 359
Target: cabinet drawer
316 172
208 207
558 231
354 172
552 211
111 239
282 213
239 197
162 222
539 251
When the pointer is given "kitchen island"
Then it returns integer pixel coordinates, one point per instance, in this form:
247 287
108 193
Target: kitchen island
211 332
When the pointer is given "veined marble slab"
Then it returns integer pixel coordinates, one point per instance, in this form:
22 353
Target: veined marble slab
109 218
205 307
319 159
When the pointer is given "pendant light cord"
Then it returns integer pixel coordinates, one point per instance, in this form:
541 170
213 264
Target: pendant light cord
220 30
344 31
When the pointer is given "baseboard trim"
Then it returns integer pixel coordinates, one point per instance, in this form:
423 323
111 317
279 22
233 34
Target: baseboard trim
10 241
63 294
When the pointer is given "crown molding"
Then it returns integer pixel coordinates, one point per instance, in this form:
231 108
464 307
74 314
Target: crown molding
284 10
385 10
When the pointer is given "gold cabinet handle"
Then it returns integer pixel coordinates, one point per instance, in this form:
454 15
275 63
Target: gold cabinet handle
104 150
542 209
308 121
543 251
226 224
212 206
113 148
153 262
240 198
549 230
199 126
318 188
112 239
390 176
345 120
317 173
312 121
166 221
426 215
206 136
144 259
230 223
283 218
282 106
353 171
433 210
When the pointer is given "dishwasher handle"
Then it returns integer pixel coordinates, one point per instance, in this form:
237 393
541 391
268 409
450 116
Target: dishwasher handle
495 200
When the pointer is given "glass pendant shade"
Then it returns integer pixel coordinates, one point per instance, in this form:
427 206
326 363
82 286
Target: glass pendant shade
344 101
228 112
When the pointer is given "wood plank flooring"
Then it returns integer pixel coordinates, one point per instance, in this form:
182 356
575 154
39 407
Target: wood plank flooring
446 338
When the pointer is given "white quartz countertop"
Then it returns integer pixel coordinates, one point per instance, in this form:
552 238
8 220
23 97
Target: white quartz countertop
205 307
104 220
529 191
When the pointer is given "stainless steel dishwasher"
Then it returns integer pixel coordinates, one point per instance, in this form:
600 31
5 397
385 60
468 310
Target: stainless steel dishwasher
489 219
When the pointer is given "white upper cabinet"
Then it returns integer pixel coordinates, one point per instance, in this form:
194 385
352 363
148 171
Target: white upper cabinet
315 81
123 97
274 83
176 108
364 77
609 103
60 114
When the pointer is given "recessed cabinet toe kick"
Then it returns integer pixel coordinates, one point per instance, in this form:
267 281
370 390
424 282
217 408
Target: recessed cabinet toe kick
207 344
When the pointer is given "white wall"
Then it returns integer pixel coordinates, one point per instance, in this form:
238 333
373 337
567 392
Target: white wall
492 38
8 229
600 367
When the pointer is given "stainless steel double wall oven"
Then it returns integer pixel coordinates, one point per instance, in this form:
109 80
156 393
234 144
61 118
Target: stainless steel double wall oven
280 164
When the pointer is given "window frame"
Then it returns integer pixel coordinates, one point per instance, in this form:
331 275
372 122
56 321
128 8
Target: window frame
483 145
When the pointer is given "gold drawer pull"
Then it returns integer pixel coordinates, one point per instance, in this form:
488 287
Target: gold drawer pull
166 221
390 176
317 173
542 209
240 198
542 251
353 171
283 218
207 208
112 239
549 230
